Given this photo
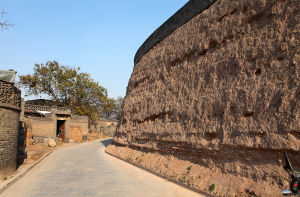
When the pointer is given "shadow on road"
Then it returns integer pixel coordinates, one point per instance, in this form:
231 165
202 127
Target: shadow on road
106 142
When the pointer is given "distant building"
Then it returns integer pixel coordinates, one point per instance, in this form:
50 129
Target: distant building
108 122
106 126
54 122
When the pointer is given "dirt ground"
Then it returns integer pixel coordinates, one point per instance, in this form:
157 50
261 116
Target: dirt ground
209 180
35 152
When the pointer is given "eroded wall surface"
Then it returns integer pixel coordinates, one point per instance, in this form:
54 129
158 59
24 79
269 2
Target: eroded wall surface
222 89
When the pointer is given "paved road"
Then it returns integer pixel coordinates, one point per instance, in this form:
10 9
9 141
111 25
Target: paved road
85 170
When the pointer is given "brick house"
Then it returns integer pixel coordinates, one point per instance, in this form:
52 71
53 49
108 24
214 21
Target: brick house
54 122
10 108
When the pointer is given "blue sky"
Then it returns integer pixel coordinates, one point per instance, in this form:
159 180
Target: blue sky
99 36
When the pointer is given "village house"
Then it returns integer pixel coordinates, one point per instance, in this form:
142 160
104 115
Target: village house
57 123
105 126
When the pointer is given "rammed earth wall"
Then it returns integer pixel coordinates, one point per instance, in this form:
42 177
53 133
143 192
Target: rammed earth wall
10 108
221 92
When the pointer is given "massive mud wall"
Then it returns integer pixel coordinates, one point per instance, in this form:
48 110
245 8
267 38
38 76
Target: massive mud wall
222 92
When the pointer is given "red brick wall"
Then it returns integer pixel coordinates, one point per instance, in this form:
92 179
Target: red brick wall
75 133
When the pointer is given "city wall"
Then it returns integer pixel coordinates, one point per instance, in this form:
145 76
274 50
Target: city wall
215 100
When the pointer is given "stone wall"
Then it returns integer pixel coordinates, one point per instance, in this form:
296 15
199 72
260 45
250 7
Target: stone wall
221 93
10 96
10 102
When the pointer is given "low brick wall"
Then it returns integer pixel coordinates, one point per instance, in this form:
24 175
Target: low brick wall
43 127
10 102
81 122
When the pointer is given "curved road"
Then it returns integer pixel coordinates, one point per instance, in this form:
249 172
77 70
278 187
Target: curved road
86 170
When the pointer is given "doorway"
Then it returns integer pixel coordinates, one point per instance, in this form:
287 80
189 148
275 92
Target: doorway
60 129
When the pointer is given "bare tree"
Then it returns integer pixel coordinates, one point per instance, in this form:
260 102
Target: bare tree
4 22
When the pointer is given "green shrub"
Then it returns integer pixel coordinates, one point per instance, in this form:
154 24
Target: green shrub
211 188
